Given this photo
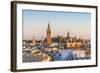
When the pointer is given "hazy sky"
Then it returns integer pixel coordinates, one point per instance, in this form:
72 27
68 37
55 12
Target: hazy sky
35 24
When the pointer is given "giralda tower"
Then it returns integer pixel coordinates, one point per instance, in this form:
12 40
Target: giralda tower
49 39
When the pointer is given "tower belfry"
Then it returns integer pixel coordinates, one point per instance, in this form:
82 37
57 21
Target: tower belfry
49 27
49 39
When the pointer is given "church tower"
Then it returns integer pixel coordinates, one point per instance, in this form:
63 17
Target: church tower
49 39
68 35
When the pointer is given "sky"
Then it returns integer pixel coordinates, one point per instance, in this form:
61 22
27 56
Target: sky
35 24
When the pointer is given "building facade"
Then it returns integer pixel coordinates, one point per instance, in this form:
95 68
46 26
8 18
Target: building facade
73 42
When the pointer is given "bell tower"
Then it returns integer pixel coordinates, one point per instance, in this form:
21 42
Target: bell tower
49 39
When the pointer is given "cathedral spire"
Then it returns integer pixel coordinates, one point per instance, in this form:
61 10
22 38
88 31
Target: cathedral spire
68 35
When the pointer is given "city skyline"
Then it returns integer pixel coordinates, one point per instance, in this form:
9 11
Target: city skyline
35 24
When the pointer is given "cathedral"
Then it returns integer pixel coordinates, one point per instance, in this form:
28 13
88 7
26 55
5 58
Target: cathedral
68 41
73 42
